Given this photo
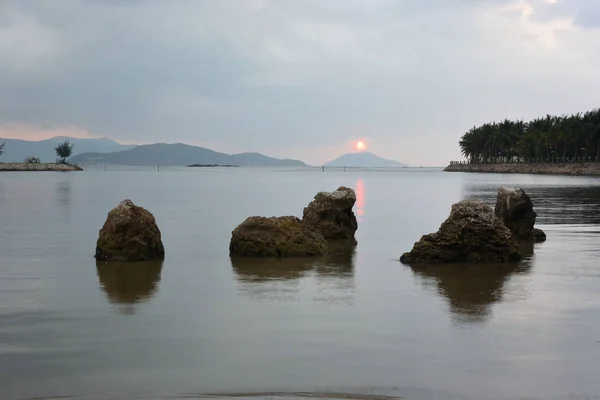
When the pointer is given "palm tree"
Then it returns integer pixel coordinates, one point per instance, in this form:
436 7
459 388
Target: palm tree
535 130
550 138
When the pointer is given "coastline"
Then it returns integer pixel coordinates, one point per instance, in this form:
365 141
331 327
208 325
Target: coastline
210 165
24 167
576 169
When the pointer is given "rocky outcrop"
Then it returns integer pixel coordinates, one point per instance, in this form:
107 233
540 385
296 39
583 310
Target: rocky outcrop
471 234
130 233
331 214
328 223
276 237
515 210
579 169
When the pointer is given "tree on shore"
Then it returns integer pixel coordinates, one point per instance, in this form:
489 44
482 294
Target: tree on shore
2 148
64 151
548 139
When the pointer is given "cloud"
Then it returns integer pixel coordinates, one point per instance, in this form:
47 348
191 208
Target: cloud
31 132
287 77
24 42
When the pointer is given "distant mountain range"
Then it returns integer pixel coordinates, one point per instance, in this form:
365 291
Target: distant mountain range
363 159
107 151
16 150
179 155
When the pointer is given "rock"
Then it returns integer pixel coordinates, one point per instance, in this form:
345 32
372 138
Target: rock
129 234
515 209
276 237
538 235
331 214
471 234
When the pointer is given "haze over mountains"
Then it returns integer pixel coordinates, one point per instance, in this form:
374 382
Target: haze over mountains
364 159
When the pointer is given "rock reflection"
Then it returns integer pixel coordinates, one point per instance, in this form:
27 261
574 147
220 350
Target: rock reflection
526 248
250 269
127 284
323 279
469 289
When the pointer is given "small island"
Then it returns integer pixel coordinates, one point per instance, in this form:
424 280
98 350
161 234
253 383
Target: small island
211 165
552 145
32 163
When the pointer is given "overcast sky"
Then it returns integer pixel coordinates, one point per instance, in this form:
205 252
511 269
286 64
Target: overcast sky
293 78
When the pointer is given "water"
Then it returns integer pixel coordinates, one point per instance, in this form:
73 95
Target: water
360 325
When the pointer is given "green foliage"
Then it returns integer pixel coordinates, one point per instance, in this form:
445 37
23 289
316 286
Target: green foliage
64 151
2 148
32 160
549 139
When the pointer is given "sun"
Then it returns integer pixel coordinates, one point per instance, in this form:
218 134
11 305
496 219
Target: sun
360 145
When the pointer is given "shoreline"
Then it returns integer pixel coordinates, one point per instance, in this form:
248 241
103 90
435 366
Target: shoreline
211 165
43 167
573 169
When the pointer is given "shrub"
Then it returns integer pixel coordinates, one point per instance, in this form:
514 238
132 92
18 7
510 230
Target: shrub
32 160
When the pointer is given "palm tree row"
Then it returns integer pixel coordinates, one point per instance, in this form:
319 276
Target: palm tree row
566 138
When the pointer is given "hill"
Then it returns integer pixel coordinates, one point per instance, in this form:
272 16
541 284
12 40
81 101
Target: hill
264 161
179 155
364 159
16 150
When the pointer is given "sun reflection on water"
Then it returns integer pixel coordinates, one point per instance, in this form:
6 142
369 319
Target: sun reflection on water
360 198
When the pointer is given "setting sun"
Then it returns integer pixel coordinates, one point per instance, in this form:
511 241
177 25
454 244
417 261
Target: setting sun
361 145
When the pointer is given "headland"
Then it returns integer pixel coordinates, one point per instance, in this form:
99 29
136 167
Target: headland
23 167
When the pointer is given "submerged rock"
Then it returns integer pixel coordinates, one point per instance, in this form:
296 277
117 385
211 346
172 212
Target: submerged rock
130 233
331 214
471 234
515 209
276 237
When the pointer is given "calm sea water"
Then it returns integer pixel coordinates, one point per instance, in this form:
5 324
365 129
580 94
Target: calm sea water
359 325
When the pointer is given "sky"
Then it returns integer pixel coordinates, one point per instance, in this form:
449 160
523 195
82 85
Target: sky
301 79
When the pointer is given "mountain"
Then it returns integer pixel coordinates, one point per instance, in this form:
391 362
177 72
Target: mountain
264 161
179 155
363 159
16 150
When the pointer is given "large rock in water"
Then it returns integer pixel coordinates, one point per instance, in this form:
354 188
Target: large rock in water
471 234
331 214
515 209
130 233
276 237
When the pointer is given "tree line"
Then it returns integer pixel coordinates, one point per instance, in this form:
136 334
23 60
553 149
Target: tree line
63 151
566 138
